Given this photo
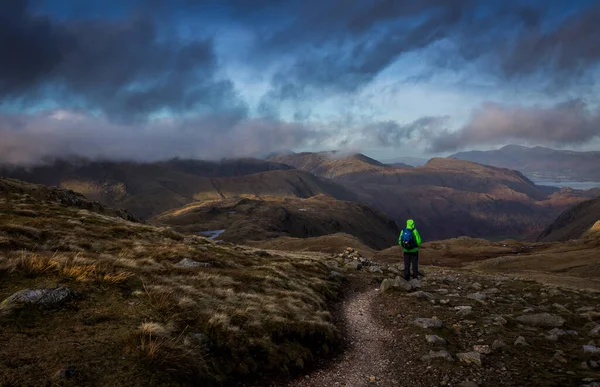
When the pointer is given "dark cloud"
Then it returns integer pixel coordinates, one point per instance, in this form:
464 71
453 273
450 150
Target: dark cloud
338 47
568 123
126 68
29 139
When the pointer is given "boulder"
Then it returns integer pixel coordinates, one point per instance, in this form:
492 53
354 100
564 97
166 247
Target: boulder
470 358
42 297
541 320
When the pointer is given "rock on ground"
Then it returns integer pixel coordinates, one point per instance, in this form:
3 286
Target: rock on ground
470 358
186 262
541 320
43 297
428 322
438 355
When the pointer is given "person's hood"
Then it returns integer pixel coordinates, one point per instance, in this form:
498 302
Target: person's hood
410 224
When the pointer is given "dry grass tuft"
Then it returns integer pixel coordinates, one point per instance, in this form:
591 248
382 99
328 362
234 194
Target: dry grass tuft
33 265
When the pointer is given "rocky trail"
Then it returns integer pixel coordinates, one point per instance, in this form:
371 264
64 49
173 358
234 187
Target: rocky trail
460 328
365 357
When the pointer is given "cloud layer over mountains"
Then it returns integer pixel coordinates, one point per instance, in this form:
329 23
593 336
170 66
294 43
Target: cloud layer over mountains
206 78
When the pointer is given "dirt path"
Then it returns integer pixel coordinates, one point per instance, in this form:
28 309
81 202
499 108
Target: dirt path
365 363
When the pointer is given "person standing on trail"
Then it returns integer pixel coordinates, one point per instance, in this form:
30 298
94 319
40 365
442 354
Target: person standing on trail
410 240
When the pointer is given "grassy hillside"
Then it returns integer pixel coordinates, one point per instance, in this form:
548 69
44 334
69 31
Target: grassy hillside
261 218
145 305
148 189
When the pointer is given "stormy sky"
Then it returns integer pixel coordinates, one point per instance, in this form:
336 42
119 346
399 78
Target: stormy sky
154 79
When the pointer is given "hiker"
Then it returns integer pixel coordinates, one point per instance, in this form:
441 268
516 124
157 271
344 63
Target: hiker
410 240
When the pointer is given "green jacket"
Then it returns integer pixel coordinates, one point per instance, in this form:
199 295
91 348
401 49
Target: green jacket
411 224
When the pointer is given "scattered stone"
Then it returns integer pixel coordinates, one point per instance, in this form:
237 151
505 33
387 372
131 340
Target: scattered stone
559 357
470 358
463 310
541 320
423 295
356 265
392 269
468 383
444 301
498 344
434 339
442 291
186 262
482 349
415 283
555 292
477 296
491 291
594 364
591 349
428 322
595 332
443 354
402 283
44 297
262 253
387 285
499 320
521 341
476 286
375 269
561 308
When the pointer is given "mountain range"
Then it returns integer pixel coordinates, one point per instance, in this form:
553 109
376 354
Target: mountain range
446 197
540 163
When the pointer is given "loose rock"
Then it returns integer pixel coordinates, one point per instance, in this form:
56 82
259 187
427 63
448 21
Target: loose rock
521 341
428 322
438 355
541 320
434 339
470 358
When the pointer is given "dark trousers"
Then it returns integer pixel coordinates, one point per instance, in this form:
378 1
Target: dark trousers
411 258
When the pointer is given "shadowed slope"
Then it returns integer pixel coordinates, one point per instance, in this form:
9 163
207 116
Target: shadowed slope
574 222
254 219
